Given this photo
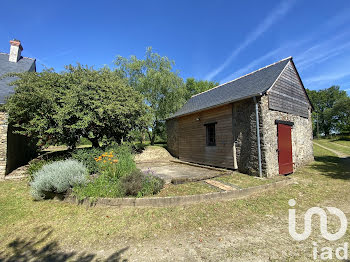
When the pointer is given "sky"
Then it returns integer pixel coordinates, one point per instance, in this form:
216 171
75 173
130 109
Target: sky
208 40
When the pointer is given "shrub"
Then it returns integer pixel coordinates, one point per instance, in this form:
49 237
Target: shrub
126 163
58 177
135 184
116 162
102 186
138 147
151 185
35 166
118 176
84 142
132 183
139 184
87 156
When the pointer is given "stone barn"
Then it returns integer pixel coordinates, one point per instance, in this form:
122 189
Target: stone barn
15 150
259 124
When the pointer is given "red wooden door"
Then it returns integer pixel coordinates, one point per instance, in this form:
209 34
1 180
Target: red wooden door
285 158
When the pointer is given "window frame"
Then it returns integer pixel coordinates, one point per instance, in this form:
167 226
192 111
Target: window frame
208 128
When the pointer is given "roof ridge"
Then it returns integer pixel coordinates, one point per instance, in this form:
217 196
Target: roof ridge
289 57
29 57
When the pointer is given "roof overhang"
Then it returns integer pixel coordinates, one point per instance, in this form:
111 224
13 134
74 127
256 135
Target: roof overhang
215 106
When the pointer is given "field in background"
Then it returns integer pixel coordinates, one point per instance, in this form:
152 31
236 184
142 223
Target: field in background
341 145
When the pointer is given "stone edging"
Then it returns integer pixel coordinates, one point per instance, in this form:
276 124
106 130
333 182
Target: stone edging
179 200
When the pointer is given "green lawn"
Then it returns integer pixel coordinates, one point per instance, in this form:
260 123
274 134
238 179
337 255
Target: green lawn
72 227
191 188
337 145
244 181
342 142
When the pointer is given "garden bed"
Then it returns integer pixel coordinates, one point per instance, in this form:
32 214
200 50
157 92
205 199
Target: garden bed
179 200
92 173
95 176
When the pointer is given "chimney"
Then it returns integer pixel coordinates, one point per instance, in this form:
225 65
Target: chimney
15 50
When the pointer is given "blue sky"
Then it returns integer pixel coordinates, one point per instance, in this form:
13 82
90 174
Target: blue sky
213 40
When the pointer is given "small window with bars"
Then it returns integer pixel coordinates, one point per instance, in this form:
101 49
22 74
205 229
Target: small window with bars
211 141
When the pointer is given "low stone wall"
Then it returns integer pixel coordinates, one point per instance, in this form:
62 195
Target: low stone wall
179 200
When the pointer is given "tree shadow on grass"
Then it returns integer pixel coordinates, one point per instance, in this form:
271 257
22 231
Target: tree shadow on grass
36 249
332 166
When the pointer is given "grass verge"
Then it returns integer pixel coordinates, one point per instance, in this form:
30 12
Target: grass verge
337 145
244 181
191 188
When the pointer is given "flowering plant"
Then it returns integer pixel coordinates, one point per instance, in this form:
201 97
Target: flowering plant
107 157
116 164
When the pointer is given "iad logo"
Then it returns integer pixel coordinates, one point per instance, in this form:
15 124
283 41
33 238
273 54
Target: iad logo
323 221
326 252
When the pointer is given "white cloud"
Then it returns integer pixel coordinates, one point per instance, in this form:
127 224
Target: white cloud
321 52
272 18
251 66
284 51
327 77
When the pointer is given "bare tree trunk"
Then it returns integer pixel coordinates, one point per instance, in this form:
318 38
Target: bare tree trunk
153 139
94 142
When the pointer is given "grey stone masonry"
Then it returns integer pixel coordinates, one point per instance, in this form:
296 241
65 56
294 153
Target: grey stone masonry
244 135
3 143
302 146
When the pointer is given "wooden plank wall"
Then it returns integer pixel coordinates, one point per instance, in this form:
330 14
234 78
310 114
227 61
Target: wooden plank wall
192 137
287 95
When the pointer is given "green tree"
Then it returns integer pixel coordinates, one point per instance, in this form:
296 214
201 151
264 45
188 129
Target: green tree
161 86
79 102
341 113
193 87
325 115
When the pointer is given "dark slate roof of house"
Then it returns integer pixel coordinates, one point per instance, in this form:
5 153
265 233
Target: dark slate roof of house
23 65
250 85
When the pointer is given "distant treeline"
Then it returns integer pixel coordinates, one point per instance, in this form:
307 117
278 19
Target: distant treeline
331 113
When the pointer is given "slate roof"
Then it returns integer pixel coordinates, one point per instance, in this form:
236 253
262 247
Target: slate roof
23 65
250 85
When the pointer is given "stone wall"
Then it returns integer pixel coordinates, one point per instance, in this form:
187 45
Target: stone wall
244 133
302 146
3 143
